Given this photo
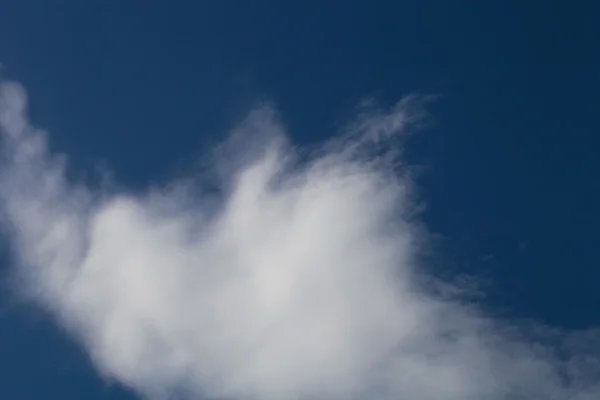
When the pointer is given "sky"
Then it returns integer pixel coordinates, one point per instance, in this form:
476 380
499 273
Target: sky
299 200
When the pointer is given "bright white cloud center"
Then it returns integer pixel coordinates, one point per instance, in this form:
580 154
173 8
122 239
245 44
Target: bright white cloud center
301 283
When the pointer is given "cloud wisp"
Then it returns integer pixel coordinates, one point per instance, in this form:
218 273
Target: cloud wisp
296 276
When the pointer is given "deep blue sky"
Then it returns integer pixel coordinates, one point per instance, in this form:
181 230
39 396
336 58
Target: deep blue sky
514 178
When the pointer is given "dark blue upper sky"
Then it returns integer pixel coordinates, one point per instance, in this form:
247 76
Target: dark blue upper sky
514 174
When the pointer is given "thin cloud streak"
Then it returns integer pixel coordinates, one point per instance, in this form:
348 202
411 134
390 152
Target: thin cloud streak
304 281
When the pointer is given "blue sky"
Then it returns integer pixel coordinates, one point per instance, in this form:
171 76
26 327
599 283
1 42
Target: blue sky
506 163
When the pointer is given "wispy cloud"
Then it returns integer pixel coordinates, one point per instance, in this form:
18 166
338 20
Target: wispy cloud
297 276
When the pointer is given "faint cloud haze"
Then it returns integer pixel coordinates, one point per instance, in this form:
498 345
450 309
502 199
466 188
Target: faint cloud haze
299 277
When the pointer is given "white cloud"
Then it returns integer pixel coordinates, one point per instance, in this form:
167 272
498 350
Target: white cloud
302 282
